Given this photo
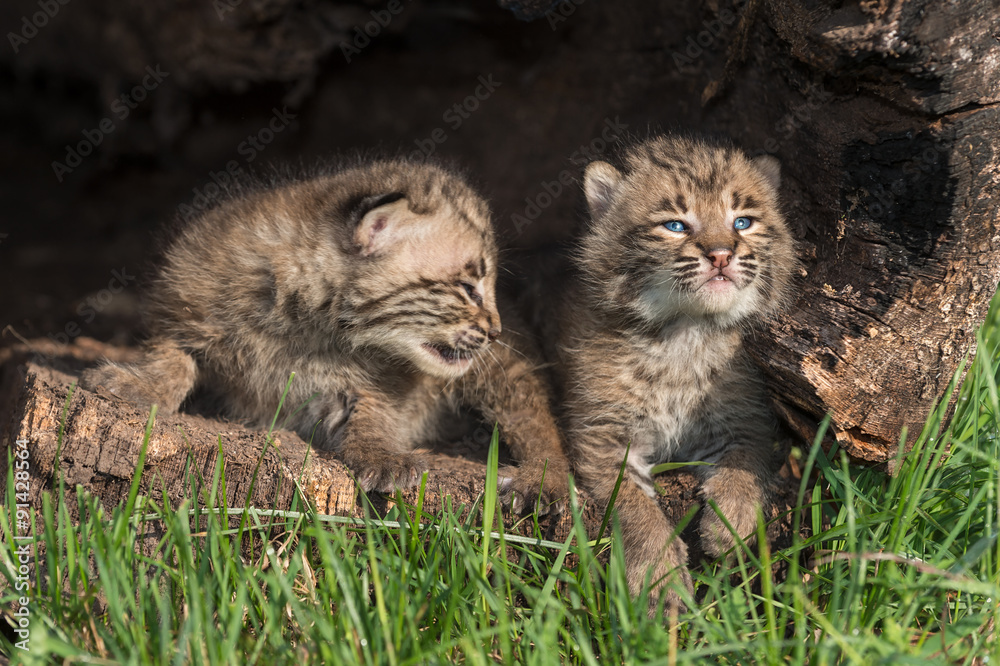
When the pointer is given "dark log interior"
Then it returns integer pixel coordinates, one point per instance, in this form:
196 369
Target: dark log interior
121 116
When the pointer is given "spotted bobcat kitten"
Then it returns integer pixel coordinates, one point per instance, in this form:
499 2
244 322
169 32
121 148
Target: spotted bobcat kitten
375 284
685 251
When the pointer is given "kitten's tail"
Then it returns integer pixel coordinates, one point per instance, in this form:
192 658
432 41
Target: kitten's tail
165 376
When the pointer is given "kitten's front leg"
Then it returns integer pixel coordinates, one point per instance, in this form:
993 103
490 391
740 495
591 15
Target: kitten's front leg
508 390
738 486
651 547
370 442
164 376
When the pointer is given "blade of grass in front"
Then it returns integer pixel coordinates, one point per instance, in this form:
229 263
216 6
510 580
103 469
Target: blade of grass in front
489 507
133 491
614 495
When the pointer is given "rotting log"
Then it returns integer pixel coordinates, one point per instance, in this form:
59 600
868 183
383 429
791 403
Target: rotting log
885 117
101 438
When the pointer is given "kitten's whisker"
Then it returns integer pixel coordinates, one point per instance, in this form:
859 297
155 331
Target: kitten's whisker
502 366
511 348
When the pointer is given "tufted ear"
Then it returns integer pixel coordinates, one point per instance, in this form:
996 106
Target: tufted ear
770 168
382 227
600 182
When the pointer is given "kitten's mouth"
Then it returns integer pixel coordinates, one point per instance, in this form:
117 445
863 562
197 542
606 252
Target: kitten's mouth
719 281
448 355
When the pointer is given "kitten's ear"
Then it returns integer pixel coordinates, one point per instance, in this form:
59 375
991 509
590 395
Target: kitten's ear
381 227
770 167
600 181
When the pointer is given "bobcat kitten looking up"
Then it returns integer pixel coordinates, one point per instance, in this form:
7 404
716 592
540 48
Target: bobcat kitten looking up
686 249
375 284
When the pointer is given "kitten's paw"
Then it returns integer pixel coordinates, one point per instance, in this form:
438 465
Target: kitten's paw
120 382
522 490
392 471
717 539
671 605
164 376
668 574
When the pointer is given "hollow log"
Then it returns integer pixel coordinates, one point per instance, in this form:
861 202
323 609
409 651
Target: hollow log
884 114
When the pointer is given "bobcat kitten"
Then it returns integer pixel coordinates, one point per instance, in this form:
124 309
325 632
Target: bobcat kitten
685 251
375 284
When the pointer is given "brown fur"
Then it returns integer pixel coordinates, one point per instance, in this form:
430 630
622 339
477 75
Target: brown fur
376 286
651 357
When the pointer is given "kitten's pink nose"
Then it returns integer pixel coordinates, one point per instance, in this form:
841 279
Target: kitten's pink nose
720 257
494 332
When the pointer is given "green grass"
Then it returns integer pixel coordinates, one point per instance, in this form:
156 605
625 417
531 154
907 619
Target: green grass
896 570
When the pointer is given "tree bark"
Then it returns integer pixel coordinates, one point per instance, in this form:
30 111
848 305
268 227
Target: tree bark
887 130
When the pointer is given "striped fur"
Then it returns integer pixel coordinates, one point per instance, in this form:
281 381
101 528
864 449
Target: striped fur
651 359
375 284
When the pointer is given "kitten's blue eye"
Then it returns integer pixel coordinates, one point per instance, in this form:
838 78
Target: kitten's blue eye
742 223
675 225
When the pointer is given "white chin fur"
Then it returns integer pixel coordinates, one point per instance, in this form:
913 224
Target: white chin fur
718 296
661 304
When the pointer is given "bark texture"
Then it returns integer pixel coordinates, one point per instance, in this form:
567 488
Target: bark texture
890 137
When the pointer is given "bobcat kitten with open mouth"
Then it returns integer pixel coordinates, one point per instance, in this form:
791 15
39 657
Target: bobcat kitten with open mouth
685 251
375 284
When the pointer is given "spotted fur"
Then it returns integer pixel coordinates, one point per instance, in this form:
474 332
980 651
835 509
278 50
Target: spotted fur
650 347
375 284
